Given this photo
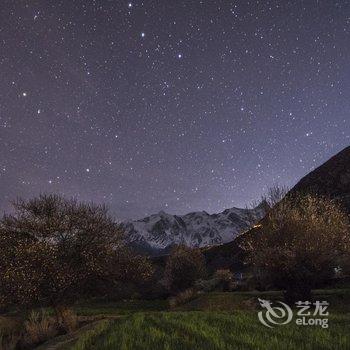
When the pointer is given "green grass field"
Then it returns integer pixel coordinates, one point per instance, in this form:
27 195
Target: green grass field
210 330
212 321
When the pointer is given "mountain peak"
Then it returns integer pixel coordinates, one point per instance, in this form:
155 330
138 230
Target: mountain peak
196 229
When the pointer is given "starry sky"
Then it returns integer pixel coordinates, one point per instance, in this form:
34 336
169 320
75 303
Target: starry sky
169 105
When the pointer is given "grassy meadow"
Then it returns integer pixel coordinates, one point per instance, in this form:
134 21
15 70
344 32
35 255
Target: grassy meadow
211 321
210 330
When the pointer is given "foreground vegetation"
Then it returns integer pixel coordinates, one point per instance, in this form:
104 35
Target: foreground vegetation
210 330
216 320
213 321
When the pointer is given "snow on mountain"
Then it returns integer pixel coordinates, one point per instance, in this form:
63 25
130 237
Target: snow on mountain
198 229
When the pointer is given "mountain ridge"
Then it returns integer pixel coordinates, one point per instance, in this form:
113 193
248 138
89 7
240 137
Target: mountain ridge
157 233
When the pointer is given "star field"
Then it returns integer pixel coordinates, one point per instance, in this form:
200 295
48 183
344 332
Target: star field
169 105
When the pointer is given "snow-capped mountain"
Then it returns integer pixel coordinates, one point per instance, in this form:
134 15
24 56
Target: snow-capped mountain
159 232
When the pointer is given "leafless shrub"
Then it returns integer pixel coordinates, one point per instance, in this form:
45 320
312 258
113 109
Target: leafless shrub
274 195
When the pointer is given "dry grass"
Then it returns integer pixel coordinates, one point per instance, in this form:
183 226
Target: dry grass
27 332
183 297
39 327
9 332
9 341
68 320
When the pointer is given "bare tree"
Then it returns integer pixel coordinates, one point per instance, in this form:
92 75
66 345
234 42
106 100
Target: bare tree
274 195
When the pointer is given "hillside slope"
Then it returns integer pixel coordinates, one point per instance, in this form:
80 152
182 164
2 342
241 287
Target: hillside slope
331 179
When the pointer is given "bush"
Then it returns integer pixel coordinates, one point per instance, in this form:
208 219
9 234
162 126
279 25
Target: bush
36 329
183 297
183 267
224 278
208 285
39 327
9 341
67 319
10 332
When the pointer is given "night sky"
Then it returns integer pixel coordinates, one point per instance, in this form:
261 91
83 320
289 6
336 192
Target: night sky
169 105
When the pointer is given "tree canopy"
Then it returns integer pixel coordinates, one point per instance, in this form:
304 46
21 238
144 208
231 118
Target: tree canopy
54 250
299 243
